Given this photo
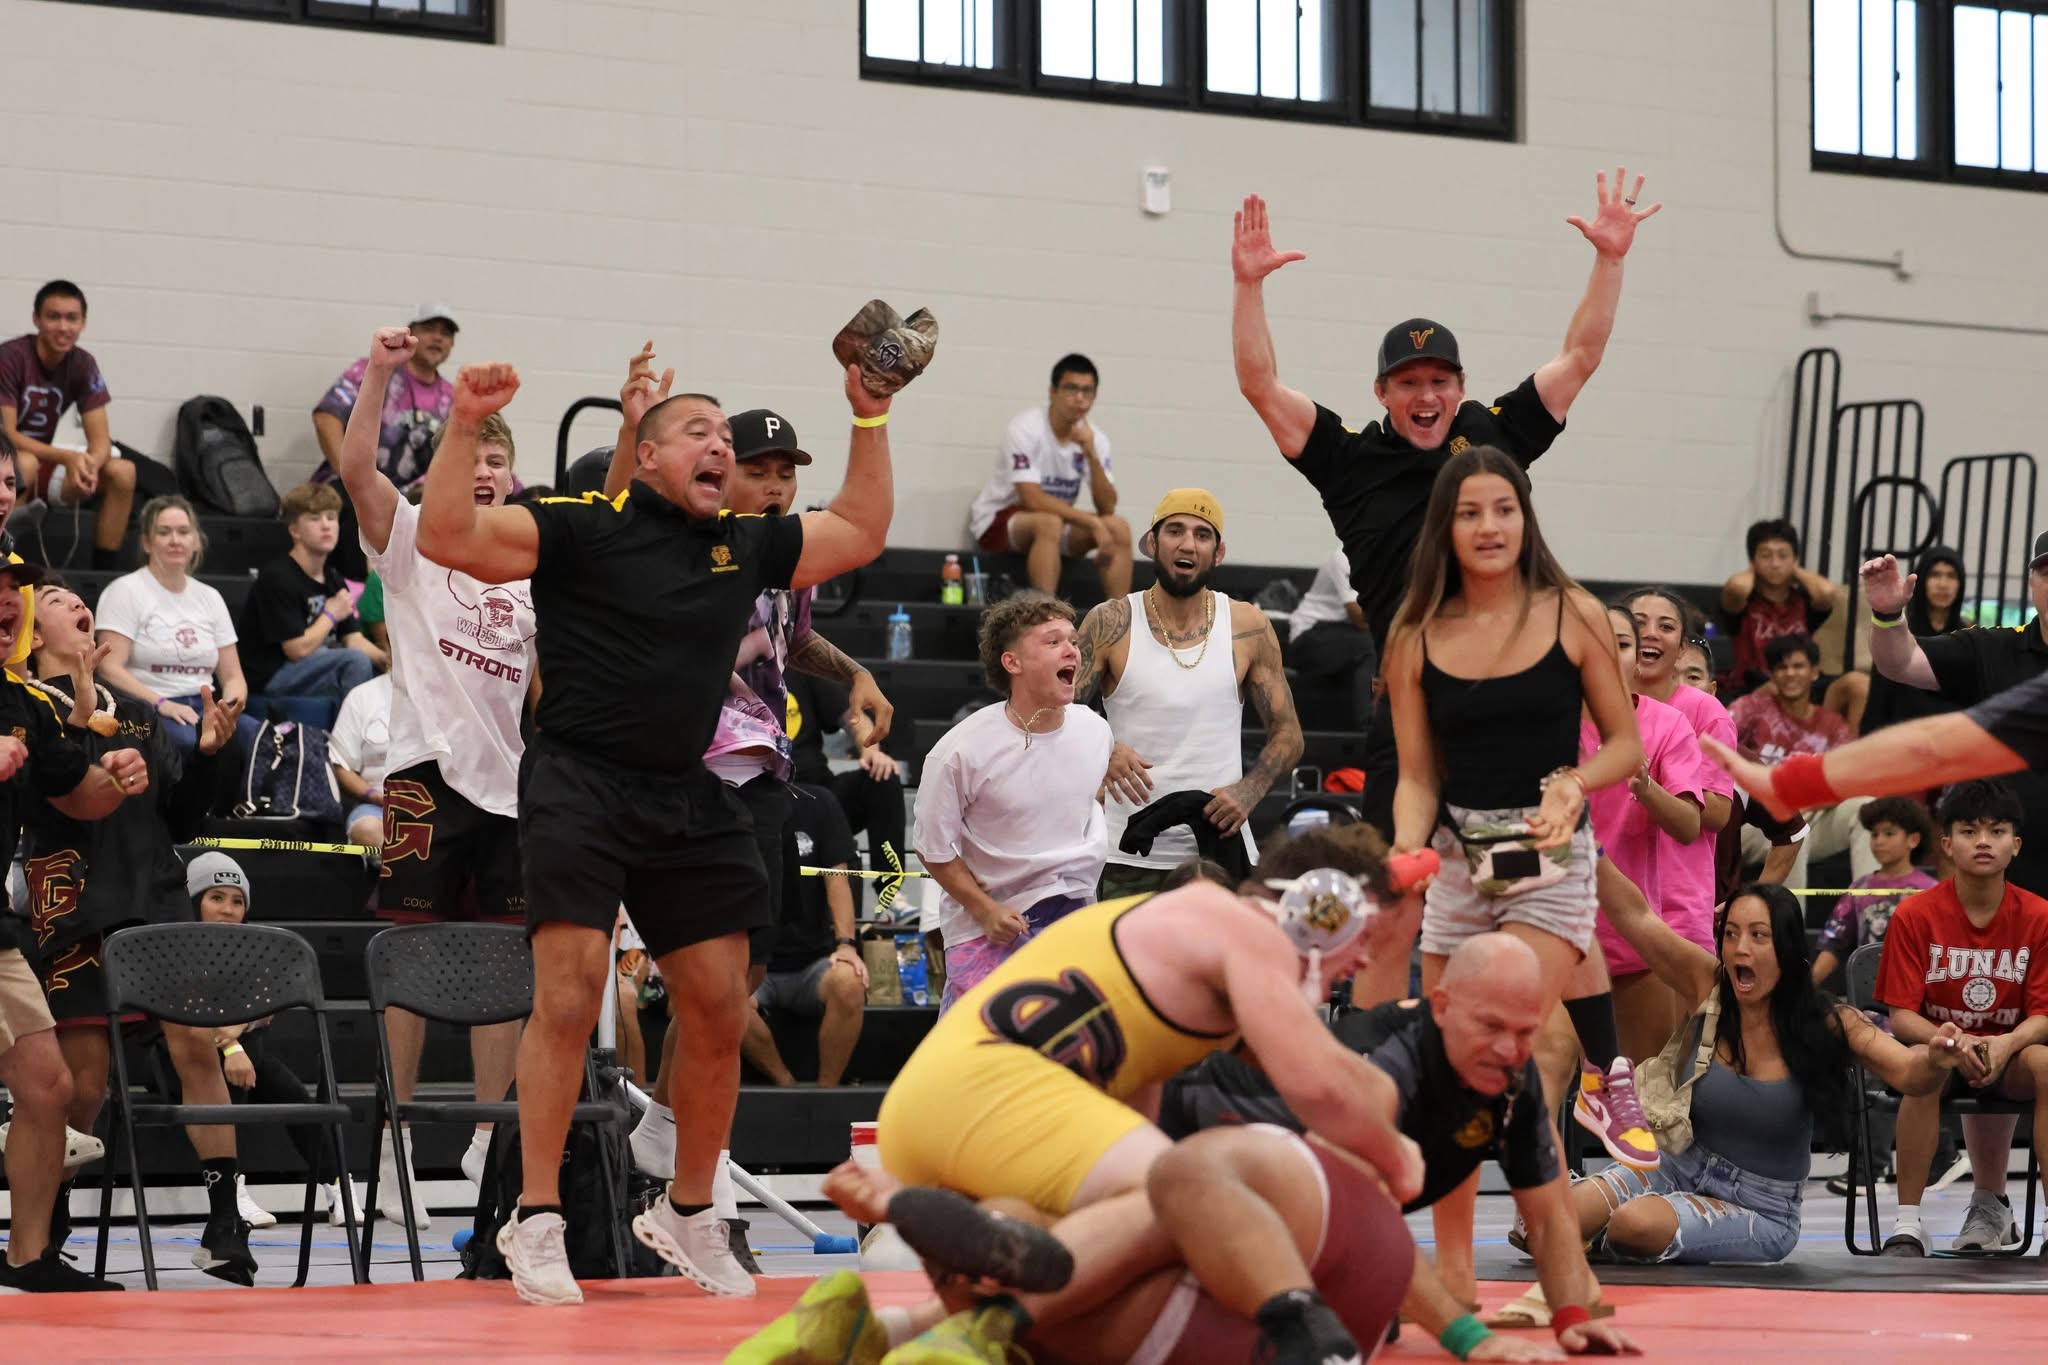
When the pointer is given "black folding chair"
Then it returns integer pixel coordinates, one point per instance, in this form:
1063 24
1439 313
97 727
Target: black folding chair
1873 1097
209 976
467 975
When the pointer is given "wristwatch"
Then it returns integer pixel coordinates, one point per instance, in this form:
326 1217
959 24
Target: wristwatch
852 943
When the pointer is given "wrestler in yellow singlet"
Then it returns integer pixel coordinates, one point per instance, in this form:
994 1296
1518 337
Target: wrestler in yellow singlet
1022 1086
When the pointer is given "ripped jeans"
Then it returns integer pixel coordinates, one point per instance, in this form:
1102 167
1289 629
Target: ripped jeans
1725 1213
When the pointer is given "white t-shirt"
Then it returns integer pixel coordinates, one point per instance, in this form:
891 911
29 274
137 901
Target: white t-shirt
177 636
1326 596
1024 820
361 738
461 662
1030 453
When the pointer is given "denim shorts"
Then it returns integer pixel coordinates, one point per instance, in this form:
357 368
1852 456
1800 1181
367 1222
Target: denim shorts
1453 909
1725 1213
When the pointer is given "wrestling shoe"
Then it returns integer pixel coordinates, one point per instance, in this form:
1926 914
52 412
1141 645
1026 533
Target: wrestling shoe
80 1149
253 1213
1310 1335
959 1235
832 1324
985 1335
223 1252
698 1245
539 1262
1607 1108
1988 1226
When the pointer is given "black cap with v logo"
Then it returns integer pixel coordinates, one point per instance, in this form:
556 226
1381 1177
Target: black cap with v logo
1417 339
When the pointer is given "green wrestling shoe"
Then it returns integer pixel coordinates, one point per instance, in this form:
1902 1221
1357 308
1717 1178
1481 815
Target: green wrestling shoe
979 1336
832 1324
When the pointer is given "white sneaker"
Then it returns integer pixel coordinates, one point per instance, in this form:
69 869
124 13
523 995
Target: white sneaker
653 1141
473 1160
698 1246
389 1203
253 1213
533 1250
337 1216
80 1149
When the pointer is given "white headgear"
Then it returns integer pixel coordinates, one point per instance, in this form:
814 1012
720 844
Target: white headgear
1322 911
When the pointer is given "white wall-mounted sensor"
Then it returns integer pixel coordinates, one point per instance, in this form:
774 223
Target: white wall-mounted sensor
1158 190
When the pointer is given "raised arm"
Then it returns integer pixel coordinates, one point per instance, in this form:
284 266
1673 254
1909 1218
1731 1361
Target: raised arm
1612 232
1898 759
495 544
374 497
1265 687
1289 414
854 526
1893 649
640 392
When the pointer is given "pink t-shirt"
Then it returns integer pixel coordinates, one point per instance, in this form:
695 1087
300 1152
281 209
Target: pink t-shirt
1657 863
1702 863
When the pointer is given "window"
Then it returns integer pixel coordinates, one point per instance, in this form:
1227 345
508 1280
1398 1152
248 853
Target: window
475 20
1938 89
1435 65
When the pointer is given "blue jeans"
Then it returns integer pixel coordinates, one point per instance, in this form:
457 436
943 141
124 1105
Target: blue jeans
331 672
185 738
1725 1213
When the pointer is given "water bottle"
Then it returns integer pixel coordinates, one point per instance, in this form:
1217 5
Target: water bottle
899 633
952 587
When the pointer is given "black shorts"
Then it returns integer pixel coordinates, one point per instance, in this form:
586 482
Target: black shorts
770 803
2018 719
676 849
74 981
437 846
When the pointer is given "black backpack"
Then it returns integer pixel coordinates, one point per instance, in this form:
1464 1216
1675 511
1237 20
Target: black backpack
584 1209
217 464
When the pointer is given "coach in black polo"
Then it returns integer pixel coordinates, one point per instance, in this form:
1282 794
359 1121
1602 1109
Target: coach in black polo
640 605
1375 483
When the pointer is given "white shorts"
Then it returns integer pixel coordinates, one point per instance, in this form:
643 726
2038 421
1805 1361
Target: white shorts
1453 911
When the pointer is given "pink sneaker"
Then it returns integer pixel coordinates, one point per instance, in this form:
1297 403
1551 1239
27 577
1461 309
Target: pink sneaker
1608 1109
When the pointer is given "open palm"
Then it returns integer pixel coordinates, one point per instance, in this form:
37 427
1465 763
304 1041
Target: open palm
1252 254
1613 229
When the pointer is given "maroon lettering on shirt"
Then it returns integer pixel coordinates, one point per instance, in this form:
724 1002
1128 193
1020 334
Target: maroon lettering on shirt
1764 727
482 663
40 396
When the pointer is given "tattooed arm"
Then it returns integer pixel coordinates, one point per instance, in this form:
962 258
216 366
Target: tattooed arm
1265 686
869 713
1127 781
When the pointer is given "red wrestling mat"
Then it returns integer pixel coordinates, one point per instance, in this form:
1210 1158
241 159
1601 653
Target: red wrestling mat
459 1321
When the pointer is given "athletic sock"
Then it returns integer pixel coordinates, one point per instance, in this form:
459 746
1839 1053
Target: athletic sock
1593 1020
527 1211
724 1197
687 1210
655 1115
1908 1219
219 1178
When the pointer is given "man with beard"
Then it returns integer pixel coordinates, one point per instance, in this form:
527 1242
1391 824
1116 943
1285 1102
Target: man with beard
1174 693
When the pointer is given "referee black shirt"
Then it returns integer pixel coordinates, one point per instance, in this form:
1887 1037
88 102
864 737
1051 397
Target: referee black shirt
640 610
1375 485
1456 1127
55 767
1973 665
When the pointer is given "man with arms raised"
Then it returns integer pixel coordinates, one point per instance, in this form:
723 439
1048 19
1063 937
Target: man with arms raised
1174 691
641 603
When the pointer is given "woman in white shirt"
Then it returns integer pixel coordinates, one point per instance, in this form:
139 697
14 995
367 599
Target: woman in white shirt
167 633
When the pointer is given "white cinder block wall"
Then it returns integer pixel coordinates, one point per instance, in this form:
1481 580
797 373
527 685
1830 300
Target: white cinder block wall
246 202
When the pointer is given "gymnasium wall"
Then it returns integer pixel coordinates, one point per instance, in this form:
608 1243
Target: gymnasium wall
245 202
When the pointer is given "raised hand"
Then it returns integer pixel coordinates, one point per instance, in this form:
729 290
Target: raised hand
392 347
641 390
863 403
1613 229
481 390
84 665
217 720
1252 254
1883 588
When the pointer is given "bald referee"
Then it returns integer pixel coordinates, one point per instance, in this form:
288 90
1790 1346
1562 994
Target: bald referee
640 603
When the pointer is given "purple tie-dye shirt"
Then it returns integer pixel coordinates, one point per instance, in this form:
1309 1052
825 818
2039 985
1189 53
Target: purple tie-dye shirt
414 412
756 707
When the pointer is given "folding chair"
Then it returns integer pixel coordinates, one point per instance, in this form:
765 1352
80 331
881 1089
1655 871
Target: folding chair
467 975
206 976
1872 1096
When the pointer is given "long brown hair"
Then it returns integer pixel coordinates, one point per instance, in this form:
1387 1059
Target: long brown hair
1433 573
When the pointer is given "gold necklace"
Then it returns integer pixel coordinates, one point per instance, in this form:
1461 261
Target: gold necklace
1025 725
1208 626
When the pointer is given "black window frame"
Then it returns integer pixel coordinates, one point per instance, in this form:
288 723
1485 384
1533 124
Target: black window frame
480 27
1016 49
1937 104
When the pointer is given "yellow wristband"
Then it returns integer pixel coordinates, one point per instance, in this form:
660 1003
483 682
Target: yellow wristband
881 421
1883 624
232 1049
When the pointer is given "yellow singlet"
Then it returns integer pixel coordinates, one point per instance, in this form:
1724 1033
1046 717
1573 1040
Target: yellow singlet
1019 1089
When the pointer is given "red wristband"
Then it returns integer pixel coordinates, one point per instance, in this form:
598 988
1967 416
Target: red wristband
1567 1317
1801 783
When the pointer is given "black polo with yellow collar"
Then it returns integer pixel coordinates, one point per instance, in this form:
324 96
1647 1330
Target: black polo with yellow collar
640 609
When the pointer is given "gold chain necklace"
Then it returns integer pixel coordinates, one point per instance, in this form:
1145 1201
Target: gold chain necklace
1208 626
1025 725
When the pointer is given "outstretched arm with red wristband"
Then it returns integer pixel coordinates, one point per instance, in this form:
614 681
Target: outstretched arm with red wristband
1904 758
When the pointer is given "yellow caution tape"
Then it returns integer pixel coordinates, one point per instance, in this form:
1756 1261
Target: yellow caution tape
281 846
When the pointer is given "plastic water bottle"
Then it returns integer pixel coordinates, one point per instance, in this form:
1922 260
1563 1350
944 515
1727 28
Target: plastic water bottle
952 587
899 633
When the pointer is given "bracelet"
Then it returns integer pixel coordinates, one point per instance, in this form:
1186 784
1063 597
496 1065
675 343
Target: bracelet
1463 1336
1573 774
1801 782
158 705
1571 1315
332 619
1887 618
1887 623
231 1050
881 421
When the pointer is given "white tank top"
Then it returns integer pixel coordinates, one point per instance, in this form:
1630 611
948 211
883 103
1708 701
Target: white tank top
1187 722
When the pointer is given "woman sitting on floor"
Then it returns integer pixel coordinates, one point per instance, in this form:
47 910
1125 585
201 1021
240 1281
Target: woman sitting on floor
1781 1054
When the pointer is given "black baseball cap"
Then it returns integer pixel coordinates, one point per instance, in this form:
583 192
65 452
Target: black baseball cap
757 432
2040 551
23 573
1417 339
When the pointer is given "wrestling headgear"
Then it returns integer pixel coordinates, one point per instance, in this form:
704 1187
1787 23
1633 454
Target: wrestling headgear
1322 911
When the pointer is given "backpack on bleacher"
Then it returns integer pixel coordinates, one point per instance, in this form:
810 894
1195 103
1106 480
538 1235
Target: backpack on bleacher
218 468
289 776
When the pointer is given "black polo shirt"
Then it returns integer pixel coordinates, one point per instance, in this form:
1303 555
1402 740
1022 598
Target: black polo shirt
1456 1127
639 610
1973 666
55 767
1376 486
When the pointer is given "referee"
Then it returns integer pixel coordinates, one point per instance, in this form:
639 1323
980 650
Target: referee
1966 667
640 603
